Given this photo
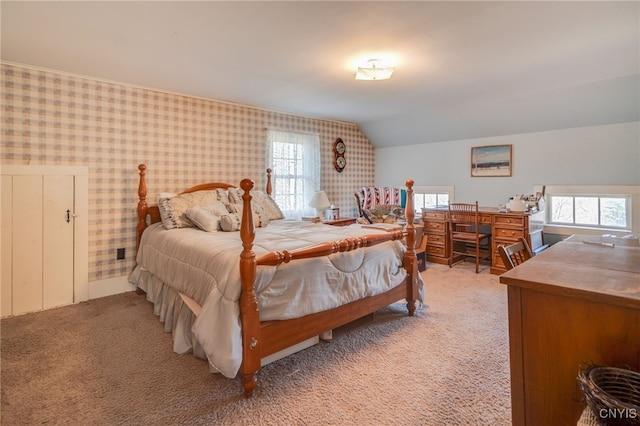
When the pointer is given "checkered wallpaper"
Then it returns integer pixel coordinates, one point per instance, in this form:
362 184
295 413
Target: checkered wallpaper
51 118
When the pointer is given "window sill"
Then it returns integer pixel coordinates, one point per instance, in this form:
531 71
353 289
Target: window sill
570 230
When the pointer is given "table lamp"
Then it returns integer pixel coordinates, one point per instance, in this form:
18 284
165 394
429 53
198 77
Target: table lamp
320 202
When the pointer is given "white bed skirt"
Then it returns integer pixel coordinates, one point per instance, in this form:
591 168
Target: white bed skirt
178 319
172 311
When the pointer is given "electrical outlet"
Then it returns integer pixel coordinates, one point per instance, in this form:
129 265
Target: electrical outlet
120 254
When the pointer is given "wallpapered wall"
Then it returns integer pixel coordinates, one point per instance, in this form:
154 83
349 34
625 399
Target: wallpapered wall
51 118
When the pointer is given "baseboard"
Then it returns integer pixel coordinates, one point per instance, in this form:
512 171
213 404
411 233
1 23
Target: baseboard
109 287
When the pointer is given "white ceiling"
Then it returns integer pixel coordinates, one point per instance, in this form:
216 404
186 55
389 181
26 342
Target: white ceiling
464 69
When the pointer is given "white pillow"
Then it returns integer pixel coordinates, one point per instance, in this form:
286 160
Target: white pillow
230 222
204 218
217 207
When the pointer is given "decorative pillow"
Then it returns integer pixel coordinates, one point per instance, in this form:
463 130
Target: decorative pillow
223 196
260 201
235 195
270 207
207 217
173 210
260 218
384 214
230 222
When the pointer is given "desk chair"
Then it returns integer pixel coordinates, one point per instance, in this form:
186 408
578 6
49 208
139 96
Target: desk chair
465 238
515 254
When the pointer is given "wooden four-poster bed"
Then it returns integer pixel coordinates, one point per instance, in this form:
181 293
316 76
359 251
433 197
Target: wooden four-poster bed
263 337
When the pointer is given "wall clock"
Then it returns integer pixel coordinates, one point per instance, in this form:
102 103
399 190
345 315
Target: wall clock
339 149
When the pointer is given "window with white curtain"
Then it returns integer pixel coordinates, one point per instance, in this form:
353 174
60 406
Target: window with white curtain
294 159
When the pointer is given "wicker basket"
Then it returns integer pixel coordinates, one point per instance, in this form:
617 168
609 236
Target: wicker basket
613 394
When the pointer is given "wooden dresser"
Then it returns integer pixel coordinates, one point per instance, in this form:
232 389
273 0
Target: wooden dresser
505 229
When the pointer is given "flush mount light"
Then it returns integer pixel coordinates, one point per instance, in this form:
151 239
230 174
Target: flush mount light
374 69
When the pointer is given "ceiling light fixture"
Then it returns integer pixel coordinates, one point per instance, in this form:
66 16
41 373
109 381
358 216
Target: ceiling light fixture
374 70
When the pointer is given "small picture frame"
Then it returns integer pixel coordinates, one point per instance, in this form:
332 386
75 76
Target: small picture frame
491 161
332 214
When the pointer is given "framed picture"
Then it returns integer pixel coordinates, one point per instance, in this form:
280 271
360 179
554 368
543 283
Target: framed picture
493 160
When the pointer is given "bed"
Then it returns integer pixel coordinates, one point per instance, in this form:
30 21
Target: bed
249 294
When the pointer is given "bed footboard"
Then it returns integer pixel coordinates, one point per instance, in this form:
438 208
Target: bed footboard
262 339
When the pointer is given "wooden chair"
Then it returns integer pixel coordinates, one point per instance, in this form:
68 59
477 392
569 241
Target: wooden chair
465 238
515 254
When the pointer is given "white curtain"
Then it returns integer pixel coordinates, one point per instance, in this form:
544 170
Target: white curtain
294 159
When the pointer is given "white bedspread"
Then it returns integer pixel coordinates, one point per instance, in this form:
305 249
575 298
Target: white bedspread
205 267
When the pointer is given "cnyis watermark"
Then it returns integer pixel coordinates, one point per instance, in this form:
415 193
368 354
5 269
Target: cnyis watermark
618 413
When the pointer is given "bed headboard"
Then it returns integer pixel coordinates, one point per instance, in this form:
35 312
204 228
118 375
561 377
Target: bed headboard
151 214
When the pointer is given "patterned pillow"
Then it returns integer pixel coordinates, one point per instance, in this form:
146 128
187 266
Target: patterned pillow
260 201
270 207
384 214
260 218
173 210
223 196
235 195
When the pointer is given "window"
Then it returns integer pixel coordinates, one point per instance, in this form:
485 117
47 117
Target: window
593 211
294 159
431 196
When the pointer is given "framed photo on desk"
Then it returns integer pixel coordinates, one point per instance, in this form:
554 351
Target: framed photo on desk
492 160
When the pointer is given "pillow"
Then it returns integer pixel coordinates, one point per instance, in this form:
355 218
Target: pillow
384 213
235 195
204 219
223 196
217 207
260 218
230 222
260 201
173 210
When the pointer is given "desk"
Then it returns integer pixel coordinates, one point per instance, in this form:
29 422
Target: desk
506 228
571 305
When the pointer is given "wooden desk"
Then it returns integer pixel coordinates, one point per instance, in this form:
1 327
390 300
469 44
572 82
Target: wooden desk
573 304
506 228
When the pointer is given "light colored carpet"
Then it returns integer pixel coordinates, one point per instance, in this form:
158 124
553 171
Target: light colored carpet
108 362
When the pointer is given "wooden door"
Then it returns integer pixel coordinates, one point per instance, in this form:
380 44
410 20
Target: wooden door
57 250
37 243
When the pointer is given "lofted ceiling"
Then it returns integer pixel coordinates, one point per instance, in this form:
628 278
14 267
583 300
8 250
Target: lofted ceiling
463 69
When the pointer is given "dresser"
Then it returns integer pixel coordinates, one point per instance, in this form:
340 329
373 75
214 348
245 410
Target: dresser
505 229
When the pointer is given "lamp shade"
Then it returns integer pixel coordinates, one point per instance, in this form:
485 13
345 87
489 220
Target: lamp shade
319 200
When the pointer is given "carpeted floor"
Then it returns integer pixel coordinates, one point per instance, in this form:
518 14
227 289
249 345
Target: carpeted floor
108 362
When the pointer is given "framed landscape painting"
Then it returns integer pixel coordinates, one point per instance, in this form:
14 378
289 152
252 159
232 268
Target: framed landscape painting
493 160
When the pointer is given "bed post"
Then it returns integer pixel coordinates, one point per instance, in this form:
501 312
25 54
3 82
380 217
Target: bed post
410 259
268 187
249 315
142 204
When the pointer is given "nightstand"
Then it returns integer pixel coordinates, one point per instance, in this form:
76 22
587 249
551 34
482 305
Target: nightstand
341 222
